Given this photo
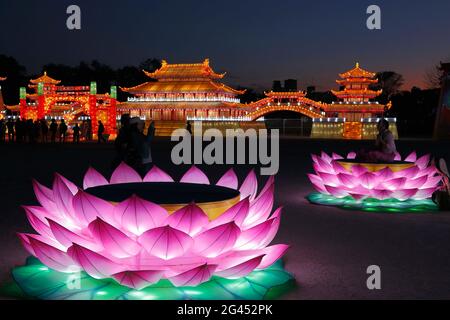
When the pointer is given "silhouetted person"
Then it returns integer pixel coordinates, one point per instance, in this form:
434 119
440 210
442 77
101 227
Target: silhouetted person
11 132
2 130
62 131
101 132
44 130
53 130
19 128
122 140
189 127
88 131
76 133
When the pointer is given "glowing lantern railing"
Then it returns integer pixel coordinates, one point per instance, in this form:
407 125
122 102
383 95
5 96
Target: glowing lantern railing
109 230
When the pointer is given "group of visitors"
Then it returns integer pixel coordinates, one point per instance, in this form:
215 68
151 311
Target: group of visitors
23 130
133 145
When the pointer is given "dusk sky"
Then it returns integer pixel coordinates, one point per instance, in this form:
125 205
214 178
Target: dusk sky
256 42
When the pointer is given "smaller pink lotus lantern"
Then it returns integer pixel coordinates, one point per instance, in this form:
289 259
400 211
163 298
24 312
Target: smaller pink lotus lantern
407 184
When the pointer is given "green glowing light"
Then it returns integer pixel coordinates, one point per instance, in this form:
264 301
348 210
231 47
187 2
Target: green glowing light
374 205
31 281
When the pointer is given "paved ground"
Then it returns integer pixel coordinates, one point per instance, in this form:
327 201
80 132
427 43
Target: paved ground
331 248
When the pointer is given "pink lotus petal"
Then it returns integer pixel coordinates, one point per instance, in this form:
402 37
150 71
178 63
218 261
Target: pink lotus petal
338 168
432 182
195 175
138 279
37 216
251 238
337 192
369 180
359 170
272 255
397 157
423 162
347 180
88 207
424 193
157 175
336 156
404 194
96 265
63 197
416 183
217 240
229 180
394 184
113 240
323 166
325 157
26 243
137 215
194 277
241 270
351 155
125 174
72 187
317 183
93 178
166 242
330 179
409 173
382 194
359 190
45 196
67 237
261 208
190 219
276 219
412 157
428 171
358 196
52 257
249 187
314 158
385 174
236 213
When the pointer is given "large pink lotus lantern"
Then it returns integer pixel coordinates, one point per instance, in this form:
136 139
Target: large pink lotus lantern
345 181
111 230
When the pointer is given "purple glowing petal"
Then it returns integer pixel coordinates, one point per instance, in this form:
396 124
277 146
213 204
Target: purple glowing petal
336 156
195 175
423 162
137 215
416 183
359 170
348 180
358 196
88 207
325 157
351 155
397 157
52 257
261 208
26 243
253 237
272 254
113 240
138 279
404 194
63 197
242 269
314 158
236 213
429 171
369 180
249 187
125 174
337 192
385 174
96 265
37 216
408 173
67 237
317 183
412 157
423 194
323 166
190 219
382 194
157 175
394 184
72 187
330 179
432 182
229 180
93 178
338 168
194 277
276 219
217 240
45 196
166 242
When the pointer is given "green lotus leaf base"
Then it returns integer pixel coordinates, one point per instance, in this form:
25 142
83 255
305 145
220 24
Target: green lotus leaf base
374 205
36 281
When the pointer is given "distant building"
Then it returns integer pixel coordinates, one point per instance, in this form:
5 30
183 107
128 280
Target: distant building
277 87
290 85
